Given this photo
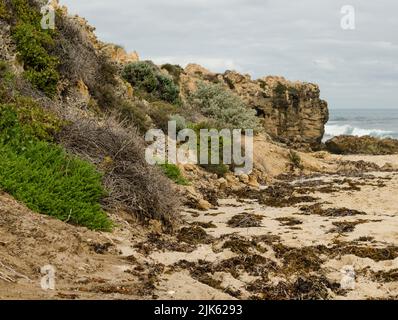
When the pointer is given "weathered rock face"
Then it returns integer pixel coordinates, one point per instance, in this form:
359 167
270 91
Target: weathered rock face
291 112
362 145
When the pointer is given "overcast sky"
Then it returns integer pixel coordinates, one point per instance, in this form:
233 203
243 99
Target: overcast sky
300 40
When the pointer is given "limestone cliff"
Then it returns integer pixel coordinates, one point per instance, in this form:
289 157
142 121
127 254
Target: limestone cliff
291 112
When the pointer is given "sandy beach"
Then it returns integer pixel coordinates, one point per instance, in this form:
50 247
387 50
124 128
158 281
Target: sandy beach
302 247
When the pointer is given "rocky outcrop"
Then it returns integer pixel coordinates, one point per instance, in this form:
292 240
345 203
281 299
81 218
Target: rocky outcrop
362 145
291 112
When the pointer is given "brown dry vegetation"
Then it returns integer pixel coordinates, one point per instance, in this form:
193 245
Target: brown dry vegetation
133 185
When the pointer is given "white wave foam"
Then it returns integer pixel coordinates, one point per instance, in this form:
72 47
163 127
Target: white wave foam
338 130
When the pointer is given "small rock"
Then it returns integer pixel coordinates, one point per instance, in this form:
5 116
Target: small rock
244 178
203 205
253 182
231 178
223 183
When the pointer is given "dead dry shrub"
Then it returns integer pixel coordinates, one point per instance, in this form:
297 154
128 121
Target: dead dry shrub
133 185
77 55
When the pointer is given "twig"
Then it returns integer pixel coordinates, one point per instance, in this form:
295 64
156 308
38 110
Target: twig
15 272
6 278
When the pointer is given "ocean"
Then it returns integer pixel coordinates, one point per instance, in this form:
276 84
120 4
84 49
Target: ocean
380 123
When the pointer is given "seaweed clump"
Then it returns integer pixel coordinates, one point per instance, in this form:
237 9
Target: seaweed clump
330 212
194 235
245 220
303 288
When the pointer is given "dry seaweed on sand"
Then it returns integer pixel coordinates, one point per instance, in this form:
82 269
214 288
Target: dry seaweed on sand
342 212
199 271
205 225
267 239
240 245
210 196
287 202
365 239
194 235
376 254
289 221
300 259
112 289
281 195
245 220
244 194
253 264
346 226
386 276
163 243
330 212
303 288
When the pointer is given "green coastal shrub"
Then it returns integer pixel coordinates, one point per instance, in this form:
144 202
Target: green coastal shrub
167 90
6 82
174 173
146 77
33 45
46 178
141 75
225 108
34 120
4 14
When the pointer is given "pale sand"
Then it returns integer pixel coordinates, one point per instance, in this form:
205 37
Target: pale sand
381 223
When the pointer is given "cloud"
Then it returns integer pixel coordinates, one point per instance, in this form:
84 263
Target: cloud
301 40
325 63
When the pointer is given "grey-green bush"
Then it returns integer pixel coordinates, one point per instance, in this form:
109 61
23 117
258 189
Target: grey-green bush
227 109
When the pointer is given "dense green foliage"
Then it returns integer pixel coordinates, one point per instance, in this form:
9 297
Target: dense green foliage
3 11
174 173
33 44
142 75
166 89
225 108
146 77
43 175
